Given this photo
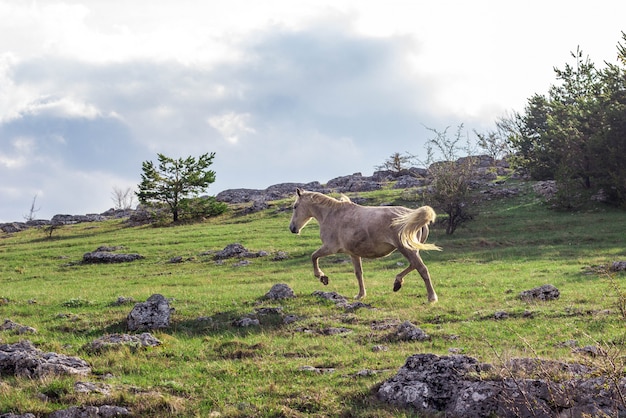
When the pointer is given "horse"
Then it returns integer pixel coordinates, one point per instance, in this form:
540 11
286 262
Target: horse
365 232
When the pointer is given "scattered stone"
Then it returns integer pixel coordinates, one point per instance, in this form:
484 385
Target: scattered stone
280 256
246 322
237 250
351 307
99 257
335 331
546 189
280 291
175 260
104 411
89 387
288 319
618 266
379 348
545 293
408 332
269 311
17 328
332 296
590 350
117 340
154 313
11 415
500 315
318 370
121 300
24 360
242 263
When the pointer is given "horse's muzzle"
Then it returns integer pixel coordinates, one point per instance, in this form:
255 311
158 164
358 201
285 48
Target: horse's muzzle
293 229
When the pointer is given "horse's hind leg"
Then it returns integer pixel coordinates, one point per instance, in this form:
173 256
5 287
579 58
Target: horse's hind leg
416 263
321 252
358 272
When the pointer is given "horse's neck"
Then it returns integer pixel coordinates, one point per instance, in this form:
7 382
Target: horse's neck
321 212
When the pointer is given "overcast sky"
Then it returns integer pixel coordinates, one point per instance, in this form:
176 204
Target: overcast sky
281 91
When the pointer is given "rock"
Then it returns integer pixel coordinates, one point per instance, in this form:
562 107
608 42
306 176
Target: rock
74 219
618 266
545 292
104 411
456 386
501 315
17 328
331 296
24 360
269 311
408 332
246 322
89 387
122 300
104 255
154 313
280 256
117 340
237 250
280 291
546 189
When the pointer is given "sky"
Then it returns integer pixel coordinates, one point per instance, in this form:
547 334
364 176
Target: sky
281 90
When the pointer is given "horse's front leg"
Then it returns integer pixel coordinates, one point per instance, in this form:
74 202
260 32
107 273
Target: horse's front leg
358 272
321 252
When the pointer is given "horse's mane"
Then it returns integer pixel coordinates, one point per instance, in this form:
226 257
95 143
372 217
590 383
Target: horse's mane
324 200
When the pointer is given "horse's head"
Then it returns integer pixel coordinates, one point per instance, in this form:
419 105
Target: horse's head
301 212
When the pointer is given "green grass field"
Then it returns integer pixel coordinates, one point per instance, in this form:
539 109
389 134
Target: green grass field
211 368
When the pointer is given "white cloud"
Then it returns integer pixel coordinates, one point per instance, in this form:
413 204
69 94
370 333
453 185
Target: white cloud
232 125
281 90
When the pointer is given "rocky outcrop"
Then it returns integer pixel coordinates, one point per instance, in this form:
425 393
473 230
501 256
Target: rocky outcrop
460 386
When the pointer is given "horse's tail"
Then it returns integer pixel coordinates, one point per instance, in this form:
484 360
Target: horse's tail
411 224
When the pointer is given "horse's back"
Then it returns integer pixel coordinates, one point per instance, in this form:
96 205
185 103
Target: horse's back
365 231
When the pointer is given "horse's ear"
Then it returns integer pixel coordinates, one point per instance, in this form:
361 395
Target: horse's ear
298 191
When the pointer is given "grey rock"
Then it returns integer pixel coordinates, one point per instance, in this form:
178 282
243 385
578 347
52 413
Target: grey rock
154 313
545 293
117 340
280 291
25 360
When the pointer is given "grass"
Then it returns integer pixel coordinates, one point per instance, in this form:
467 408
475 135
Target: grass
207 366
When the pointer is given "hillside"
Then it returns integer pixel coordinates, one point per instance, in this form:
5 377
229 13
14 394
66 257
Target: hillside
325 360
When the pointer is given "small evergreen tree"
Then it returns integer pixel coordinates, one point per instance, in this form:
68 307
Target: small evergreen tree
173 181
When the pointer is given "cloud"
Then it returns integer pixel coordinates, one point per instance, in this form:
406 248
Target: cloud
290 104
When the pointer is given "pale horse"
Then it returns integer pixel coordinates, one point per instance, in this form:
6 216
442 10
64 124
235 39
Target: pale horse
366 231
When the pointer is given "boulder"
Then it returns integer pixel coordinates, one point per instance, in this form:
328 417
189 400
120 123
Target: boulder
154 313
280 291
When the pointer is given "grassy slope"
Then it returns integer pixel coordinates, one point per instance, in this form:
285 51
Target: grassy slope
209 366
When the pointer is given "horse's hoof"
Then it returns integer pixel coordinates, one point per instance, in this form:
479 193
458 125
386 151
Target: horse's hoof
397 286
324 280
